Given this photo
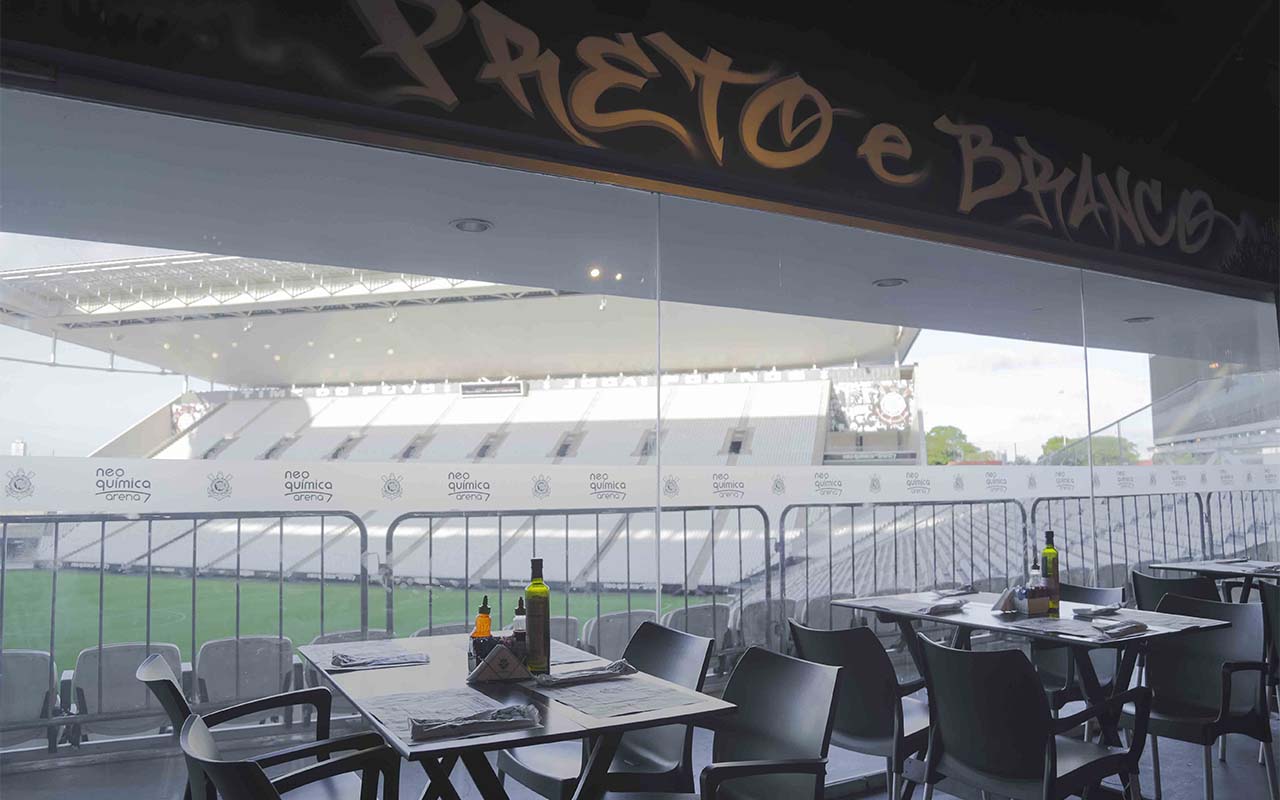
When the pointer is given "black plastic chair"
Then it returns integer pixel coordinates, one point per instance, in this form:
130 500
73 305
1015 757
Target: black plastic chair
245 779
155 672
992 729
653 759
874 715
1055 664
1270 595
1207 684
1148 590
774 745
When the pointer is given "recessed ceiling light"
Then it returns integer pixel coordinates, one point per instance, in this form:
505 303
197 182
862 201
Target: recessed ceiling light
235 344
618 277
391 351
359 339
276 357
471 225
889 283
1138 320
165 345
195 336
594 272
214 354
266 347
310 343
331 355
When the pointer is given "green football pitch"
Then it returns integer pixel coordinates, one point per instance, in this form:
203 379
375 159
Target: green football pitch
124 603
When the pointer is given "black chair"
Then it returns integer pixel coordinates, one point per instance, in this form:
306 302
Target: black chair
1207 684
1148 589
1270 596
653 759
155 672
245 780
992 729
774 746
1054 663
874 715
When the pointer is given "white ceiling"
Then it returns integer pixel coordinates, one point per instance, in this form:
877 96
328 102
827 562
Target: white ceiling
76 170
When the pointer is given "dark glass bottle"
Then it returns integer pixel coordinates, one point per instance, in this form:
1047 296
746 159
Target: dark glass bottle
1049 568
537 601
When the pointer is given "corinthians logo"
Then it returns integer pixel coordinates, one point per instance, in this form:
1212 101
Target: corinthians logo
19 486
541 487
726 487
602 487
219 486
392 486
112 483
671 486
463 487
300 487
779 485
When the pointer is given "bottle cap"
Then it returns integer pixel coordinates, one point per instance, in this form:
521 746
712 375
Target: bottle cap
1048 538
520 607
535 568
484 605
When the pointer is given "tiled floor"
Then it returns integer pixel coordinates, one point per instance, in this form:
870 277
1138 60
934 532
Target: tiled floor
161 777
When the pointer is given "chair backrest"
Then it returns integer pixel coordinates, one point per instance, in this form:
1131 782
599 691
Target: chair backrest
1270 593
868 684
446 629
24 691
608 634
351 636
114 670
785 710
819 613
565 629
156 674
234 780
763 622
705 619
1186 671
1093 595
243 668
1148 589
674 656
988 711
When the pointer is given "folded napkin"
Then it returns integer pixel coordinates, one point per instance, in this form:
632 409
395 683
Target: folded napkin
1092 612
1119 629
508 718
944 607
387 659
615 669
1231 561
1267 570
958 591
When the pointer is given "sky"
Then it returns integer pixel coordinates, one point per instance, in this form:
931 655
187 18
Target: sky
1007 395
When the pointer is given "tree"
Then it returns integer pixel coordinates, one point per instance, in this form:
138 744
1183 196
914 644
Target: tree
947 443
1107 451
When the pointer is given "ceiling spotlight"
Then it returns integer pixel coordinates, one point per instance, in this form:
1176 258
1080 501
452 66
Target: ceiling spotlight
266 347
471 225
618 277
214 354
594 272
310 343
1214 364
235 344
391 351
276 357
1138 320
359 339
331 355
889 283
165 345
195 336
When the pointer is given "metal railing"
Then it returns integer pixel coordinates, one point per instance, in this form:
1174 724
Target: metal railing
1240 521
608 531
160 537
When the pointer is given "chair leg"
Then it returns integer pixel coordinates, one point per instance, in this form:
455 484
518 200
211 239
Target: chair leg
1155 766
1273 783
1135 790
1222 748
1262 750
1208 772
891 787
928 791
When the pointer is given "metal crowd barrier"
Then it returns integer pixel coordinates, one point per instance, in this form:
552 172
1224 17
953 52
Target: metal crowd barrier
55 525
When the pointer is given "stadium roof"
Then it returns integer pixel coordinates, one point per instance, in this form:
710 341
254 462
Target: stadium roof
247 321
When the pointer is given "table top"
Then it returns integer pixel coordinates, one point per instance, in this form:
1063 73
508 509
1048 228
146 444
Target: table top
1225 568
977 614
447 670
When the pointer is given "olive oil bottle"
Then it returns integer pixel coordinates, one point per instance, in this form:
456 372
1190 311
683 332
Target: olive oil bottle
1049 568
537 602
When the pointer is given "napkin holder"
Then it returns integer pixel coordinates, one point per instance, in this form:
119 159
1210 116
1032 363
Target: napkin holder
500 665
1005 603
1032 606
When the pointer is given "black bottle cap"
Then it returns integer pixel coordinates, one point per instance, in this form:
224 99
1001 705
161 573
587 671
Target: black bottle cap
484 605
1048 538
535 568
519 606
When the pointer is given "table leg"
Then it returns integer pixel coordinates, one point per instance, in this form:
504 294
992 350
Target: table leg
908 632
482 773
1093 693
591 784
439 785
1246 589
962 638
